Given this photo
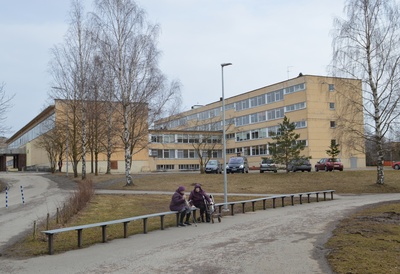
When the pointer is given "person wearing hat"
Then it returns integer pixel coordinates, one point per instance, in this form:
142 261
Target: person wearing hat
179 203
197 198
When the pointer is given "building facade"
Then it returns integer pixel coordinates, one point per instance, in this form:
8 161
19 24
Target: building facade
188 140
313 103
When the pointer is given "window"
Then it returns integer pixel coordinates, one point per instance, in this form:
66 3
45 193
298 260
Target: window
165 167
331 87
333 124
331 105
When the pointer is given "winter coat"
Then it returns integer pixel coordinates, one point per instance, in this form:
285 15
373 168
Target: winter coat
178 203
196 198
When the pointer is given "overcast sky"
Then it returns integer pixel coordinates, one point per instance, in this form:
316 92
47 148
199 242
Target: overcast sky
268 41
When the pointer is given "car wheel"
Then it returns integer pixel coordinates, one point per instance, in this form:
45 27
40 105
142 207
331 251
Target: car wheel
396 167
326 168
316 169
275 171
293 169
261 171
302 170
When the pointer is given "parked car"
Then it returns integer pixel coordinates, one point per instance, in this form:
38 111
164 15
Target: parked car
396 165
268 165
213 166
237 164
299 164
329 164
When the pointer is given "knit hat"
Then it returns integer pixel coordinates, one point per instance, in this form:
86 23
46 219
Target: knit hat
197 186
180 189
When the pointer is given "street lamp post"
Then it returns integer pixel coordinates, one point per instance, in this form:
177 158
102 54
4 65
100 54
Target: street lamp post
224 139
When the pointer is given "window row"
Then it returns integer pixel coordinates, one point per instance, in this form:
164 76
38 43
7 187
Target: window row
256 150
185 138
181 167
36 131
261 133
184 153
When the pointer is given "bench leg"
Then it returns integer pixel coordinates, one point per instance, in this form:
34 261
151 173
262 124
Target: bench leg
292 199
162 222
243 204
331 195
317 197
177 219
50 239
324 196
264 204
301 200
79 238
308 198
253 205
232 210
104 233
145 226
283 201
126 229
273 202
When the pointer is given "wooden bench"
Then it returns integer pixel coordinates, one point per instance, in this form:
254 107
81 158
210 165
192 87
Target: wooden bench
103 225
273 198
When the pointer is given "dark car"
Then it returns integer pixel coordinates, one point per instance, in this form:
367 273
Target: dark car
329 164
396 165
237 164
213 166
299 164
268 165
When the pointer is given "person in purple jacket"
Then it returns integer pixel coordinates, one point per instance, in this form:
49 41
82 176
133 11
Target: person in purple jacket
197 198
179 203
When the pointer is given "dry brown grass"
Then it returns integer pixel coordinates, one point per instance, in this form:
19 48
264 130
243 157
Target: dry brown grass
343 182
368 241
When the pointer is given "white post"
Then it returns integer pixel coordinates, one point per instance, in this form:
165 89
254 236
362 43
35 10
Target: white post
224 139
22 195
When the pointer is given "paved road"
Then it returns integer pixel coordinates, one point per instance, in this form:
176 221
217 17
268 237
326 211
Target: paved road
41 196
281 240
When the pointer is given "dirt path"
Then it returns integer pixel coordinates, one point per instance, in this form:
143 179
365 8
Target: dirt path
281 240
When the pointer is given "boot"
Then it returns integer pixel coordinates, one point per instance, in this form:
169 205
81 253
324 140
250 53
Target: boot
181 219
202 218
208 218
187 219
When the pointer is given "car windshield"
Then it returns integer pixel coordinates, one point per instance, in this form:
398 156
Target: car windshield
235 160
267 161
212 163
334 160
302 162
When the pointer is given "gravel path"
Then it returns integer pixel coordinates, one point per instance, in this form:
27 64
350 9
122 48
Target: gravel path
281 240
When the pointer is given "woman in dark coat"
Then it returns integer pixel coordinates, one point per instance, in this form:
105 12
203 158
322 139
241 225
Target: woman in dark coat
179 203
197 198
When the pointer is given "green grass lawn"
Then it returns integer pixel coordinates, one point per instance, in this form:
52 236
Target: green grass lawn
353 244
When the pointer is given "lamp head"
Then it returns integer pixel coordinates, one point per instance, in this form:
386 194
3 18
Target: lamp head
225 64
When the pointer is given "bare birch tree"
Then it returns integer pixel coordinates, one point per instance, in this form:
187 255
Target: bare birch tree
128 46
366 46
5 104
70 67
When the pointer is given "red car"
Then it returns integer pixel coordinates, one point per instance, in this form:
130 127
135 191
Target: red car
396 165
329 164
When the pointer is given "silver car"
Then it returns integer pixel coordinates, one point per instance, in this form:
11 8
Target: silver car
268 165
213 166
